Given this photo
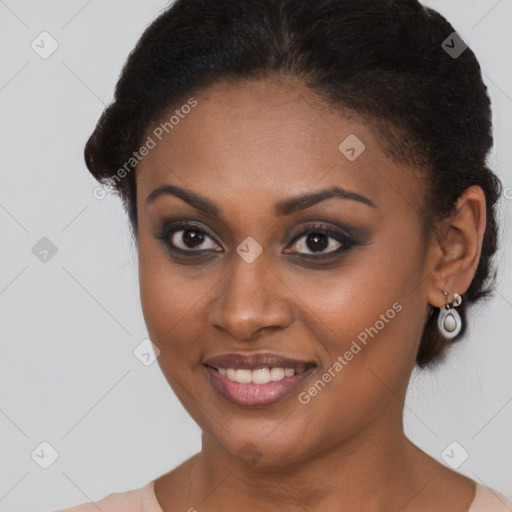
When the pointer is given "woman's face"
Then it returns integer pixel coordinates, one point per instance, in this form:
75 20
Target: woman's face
259 280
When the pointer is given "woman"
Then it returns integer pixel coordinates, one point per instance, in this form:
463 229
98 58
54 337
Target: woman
306 181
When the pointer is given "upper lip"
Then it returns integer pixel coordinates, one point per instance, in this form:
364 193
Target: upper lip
255 361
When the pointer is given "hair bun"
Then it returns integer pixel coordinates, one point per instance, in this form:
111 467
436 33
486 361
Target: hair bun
412 4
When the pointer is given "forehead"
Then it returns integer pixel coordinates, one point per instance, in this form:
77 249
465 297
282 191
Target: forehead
264 140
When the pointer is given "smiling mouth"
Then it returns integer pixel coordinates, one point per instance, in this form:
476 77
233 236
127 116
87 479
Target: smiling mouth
256 380
260 375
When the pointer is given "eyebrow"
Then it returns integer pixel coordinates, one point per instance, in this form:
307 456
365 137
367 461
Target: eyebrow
281 208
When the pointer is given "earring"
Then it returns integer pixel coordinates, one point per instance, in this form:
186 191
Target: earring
449 321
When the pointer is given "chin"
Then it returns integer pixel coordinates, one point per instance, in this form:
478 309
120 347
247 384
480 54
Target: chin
263 452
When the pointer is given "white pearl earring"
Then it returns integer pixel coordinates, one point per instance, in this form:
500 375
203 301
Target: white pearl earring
449 321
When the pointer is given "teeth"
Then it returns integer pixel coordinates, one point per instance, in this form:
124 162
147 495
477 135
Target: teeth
243 376
276 374
258 376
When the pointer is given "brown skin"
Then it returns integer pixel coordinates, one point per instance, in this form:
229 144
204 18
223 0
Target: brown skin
244 148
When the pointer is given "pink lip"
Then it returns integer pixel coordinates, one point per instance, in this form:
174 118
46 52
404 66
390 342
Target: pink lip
256 395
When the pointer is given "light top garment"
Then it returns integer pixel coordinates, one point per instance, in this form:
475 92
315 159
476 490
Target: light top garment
144 500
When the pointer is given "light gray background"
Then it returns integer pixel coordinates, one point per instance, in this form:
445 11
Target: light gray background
68 375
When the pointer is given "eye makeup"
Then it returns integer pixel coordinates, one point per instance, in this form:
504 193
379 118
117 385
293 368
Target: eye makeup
313 241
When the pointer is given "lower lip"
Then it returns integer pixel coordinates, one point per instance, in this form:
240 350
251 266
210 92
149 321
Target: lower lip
256 395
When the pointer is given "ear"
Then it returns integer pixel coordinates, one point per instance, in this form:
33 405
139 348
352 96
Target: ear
457 247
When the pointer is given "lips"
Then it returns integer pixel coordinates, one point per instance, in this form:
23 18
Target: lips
255 361
257 380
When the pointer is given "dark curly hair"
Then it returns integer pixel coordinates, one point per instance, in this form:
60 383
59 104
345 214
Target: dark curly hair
385 60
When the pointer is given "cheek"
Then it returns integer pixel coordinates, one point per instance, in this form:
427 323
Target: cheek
370 315
367 291
170 299
169 308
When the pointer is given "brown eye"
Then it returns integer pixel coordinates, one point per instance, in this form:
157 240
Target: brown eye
192 238
316 242
187 238
319 239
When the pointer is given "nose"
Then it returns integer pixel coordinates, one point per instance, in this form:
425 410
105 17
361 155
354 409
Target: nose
251 300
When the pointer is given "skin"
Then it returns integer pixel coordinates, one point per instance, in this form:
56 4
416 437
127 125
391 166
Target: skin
246 147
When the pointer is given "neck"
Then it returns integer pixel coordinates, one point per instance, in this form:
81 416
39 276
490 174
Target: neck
376 469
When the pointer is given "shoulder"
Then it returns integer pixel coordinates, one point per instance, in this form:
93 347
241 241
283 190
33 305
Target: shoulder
142 499
489 500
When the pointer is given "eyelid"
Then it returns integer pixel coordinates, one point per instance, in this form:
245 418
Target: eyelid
170 222
171 227
342 236
337 231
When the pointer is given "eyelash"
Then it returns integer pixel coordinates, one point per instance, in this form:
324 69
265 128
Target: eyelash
345 241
